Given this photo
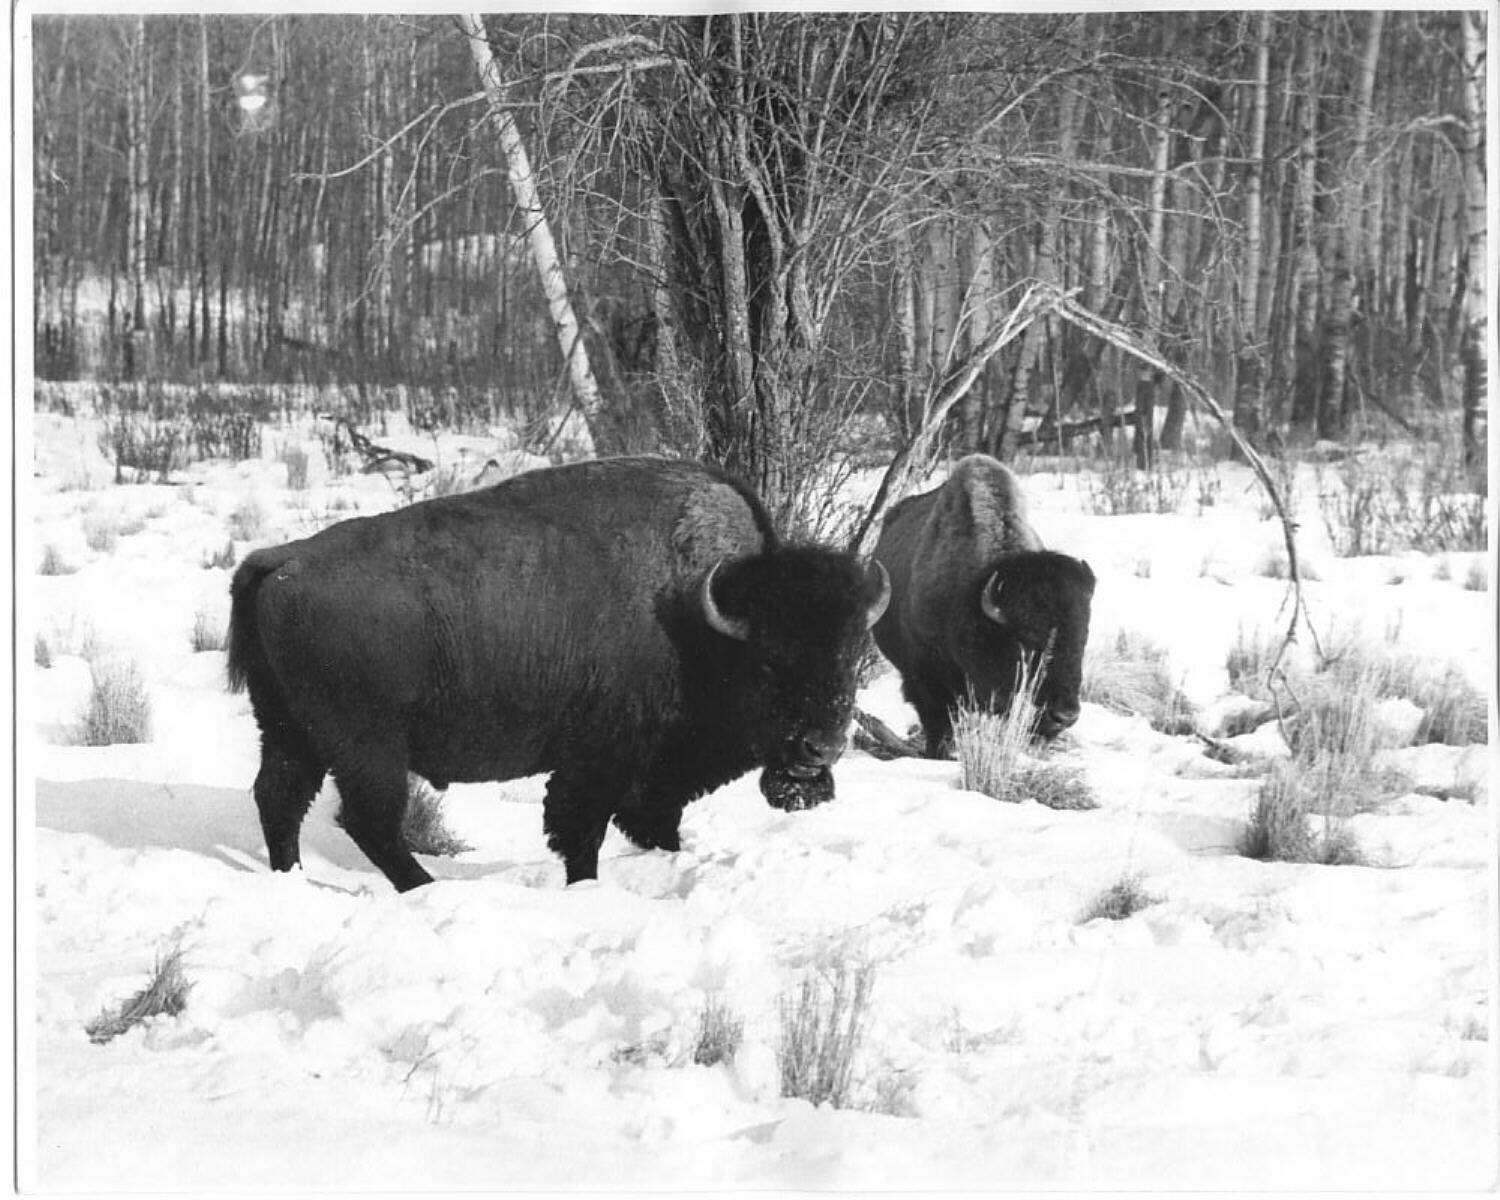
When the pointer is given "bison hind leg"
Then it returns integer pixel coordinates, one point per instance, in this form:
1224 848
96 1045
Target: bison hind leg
284 788
373 793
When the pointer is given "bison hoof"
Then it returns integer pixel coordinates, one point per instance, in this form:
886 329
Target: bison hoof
792 792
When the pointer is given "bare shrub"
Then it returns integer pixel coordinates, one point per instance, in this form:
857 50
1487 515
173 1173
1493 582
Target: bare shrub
1123 898
42 653
295 458
248 520
823 1025
1131 673
53 563
1477 578
1115 487
1424 499
720 1032
145 446
119 706
165 995
208 633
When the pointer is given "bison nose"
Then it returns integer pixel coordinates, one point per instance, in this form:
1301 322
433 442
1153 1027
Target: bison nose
819 749
1056 718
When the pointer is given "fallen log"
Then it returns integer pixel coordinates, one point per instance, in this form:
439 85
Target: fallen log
875 737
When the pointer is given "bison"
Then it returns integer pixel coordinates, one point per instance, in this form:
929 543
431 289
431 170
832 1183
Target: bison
974 596
635 627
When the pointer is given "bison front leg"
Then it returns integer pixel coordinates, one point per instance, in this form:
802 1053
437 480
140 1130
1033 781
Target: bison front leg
935 711
575 816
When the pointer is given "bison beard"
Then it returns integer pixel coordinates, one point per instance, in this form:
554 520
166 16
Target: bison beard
632 626
792 791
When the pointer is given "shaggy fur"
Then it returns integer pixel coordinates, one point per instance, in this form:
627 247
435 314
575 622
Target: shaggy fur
942 549
550 623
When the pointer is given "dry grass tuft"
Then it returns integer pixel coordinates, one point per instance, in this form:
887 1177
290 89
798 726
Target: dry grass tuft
1131 673
996 754
53 563
424 827
166 994
1122 899
221 560
209 633
720 1032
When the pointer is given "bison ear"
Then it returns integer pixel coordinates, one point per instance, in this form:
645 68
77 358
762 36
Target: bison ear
883 598
731 627
989 599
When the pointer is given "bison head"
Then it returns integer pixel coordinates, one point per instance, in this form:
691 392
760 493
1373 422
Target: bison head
801 618
1032 609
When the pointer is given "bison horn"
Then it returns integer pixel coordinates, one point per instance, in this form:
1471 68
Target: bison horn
989 599
877 609
733 627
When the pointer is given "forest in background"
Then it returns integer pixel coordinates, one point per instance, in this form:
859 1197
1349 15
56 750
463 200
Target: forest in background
774 227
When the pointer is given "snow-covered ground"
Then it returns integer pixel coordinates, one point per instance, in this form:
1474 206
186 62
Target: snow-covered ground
1264 1025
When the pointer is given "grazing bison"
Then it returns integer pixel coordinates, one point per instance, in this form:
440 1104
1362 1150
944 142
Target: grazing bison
973 594
632 626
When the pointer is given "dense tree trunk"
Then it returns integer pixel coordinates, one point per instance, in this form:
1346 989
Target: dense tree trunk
138 174
1302 326
1346 233
1249 398
1475 316
1149 381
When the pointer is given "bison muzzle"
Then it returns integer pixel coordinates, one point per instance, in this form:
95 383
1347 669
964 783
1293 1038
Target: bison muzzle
634 627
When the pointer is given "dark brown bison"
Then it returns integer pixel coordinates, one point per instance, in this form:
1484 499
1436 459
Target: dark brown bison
973 595
633 626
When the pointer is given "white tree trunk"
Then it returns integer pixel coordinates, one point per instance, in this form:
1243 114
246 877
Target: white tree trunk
538 232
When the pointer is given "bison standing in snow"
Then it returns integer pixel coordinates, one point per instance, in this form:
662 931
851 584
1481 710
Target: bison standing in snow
973 595
632 626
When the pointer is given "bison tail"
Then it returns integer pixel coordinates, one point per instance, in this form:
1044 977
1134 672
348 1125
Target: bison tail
246 657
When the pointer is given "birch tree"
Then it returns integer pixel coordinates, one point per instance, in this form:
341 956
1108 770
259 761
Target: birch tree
537 229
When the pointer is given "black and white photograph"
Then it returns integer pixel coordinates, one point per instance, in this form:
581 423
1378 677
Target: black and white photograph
753 599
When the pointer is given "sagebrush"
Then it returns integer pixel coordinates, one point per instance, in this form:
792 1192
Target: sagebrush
823 1025
118 710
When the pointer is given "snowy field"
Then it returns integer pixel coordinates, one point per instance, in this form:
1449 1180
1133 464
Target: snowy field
1263 1025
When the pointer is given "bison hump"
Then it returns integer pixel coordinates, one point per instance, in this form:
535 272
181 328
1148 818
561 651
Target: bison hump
715 522
983 504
